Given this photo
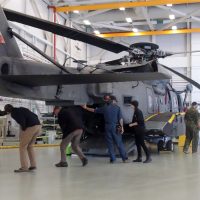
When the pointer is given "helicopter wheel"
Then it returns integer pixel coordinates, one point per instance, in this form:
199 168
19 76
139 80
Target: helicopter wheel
170 146
160 146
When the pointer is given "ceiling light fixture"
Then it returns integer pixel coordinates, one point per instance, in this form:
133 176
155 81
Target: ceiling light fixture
128 19
86 22
76 11
97 32
171 16
174 28
169 5
135 30
122 8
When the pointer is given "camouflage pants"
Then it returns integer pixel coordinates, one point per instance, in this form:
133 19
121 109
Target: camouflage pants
192 135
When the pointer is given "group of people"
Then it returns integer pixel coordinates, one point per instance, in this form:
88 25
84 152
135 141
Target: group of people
114 129
70 120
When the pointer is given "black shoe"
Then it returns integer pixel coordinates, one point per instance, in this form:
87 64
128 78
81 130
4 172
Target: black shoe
84 162
148 160
138 160
32 168
20 170
61 164
126 160
112 161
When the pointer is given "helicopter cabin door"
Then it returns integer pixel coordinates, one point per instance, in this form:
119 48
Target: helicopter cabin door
150 101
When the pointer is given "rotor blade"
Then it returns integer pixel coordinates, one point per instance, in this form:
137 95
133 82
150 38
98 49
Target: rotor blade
182 76
197 51
167 54
38 51
70 79
65 31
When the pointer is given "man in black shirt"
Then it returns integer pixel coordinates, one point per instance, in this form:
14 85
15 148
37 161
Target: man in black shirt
71 124
138 127
30 129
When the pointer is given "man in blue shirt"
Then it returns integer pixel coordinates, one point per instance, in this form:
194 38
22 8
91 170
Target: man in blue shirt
112 117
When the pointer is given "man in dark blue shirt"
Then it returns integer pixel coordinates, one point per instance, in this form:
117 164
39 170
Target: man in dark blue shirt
112 117
30 129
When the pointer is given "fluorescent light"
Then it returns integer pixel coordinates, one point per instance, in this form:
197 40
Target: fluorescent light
121 8
169 5
96 32
174 27
135 30
76 11
86 22
171 16
128 19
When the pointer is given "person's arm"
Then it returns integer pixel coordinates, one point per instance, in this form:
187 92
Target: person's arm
2 113
133 124
122 125
88 109
121 122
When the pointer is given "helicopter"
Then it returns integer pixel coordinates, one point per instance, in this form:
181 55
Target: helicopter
136 76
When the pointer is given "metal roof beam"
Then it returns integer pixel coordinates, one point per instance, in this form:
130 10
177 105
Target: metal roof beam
126 4
89 15
182 19
178 12
104 25
146 15
148 33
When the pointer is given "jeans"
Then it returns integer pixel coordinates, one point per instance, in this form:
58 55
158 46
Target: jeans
112 137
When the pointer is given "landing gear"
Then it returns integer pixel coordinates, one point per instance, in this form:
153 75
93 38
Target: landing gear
165 145
163 142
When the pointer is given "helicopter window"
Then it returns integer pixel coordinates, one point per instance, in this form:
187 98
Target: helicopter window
127 100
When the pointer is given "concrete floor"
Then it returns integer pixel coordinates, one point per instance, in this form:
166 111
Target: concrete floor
170 176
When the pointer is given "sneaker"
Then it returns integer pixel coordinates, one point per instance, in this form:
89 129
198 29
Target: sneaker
84 162
148 160
32 168
186 152
61 164
21 170
126 160
138 160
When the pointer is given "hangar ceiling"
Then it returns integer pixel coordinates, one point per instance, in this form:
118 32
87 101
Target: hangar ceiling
135 19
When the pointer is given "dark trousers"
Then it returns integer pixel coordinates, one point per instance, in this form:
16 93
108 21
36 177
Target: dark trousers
139 141
192 135
112 137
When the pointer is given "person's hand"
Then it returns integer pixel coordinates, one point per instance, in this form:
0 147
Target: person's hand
84 106
131 125
122 131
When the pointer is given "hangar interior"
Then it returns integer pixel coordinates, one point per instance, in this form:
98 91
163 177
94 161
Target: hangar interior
175 27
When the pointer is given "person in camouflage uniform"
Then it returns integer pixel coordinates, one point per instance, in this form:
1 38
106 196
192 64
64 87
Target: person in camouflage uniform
192 128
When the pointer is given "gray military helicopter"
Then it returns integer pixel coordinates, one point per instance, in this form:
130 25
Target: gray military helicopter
136 76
